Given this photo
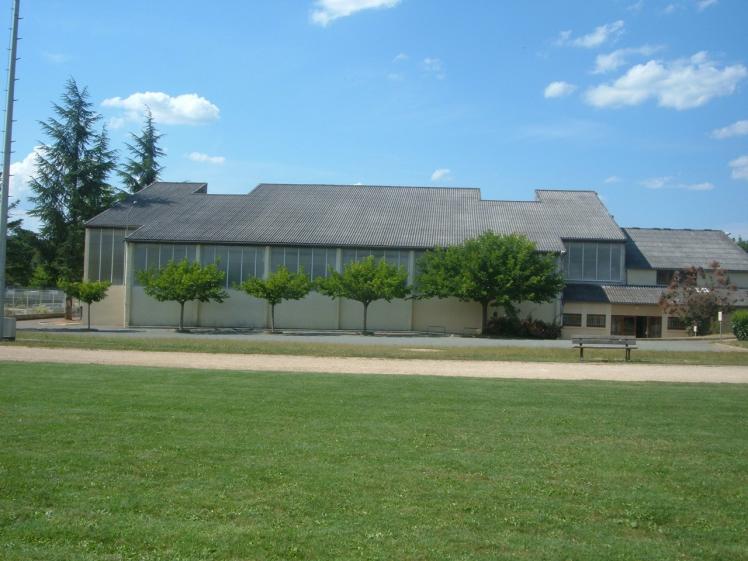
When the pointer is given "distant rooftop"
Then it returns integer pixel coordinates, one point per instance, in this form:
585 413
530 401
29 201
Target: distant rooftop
355 216
664 248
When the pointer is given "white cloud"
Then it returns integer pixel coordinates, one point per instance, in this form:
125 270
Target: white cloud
204 158
400 57
56 58
612 61
21 173
679 84
434 66
656 182
612 179
185 109
636 6
558 89
704 4
740 167
327 11
668 183
738 128
441 174
601 35
669 9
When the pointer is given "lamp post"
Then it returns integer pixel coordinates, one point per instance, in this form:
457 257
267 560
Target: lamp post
6 161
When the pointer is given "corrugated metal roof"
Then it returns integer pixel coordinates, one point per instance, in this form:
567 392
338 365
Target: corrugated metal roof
662 248
360 215
147 205
618 294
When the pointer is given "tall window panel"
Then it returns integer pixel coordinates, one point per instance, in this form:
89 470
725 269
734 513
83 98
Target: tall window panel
157 256
593 261
106 255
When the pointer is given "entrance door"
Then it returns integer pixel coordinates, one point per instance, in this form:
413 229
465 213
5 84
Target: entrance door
648 327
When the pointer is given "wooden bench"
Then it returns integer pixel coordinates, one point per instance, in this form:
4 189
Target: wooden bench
626 343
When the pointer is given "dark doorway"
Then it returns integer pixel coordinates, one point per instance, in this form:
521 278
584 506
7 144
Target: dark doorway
648 327
641 327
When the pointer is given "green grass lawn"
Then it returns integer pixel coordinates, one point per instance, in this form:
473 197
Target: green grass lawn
116 463
288 346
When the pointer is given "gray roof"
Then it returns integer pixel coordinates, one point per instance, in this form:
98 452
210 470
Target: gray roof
146 205
662 248
360 215
618 294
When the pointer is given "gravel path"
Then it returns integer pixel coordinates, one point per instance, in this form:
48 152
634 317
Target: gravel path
413 367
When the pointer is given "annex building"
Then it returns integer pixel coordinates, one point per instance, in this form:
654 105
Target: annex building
614 275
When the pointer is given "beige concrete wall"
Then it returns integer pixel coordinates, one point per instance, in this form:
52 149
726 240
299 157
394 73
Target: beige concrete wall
546 312
239 310
641 276
585 308
384 316
449 315
316 311
110 311
145 311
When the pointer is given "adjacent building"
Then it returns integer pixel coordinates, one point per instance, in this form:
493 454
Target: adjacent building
614 275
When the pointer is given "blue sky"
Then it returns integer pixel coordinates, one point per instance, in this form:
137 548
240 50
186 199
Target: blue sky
644 101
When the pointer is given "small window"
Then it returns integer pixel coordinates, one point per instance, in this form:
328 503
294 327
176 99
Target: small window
572 320
664 276
595 320
675 323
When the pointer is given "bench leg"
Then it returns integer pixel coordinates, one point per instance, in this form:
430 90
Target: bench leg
581 353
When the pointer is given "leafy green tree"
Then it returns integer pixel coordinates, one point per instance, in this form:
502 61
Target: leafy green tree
696 296
143 168
742 243
23 252
366 281
492 269
279 286
87 292
182 282
70 184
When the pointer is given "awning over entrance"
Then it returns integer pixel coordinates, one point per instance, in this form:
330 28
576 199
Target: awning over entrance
613 294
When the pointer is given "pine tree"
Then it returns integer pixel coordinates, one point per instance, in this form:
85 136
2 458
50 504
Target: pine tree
143 168
70 185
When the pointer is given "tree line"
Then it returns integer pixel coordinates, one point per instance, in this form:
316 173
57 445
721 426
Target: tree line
70 185
493 270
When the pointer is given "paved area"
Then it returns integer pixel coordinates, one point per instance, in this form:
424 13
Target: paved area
414 367
352 338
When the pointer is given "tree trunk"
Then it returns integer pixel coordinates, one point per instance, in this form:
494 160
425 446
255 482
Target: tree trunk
272 318
366 310
181 317
89 316
484 317
68 307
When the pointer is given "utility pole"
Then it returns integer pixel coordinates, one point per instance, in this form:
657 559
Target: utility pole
6 160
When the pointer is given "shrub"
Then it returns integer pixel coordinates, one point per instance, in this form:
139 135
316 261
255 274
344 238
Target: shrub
740 325
527 328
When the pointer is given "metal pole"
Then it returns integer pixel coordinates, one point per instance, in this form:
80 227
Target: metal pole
6 161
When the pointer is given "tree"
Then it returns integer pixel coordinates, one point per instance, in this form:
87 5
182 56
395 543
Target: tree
742 243
279 286
88 292
70 184
182 282
143 168
491 269
22 256
366 281
696 295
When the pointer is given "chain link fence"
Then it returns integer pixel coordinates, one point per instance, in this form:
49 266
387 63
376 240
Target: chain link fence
20 302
